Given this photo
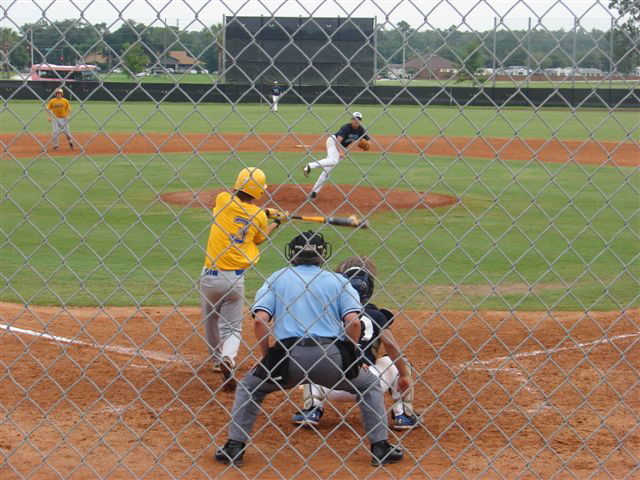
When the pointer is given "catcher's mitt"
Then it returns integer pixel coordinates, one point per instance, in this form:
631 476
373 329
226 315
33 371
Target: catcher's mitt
364 144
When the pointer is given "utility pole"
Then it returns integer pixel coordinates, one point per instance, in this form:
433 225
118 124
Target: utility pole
164 48
404 60
528 52
493 75
32 46
611 64
573 53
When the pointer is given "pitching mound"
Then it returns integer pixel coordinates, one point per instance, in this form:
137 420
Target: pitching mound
333 200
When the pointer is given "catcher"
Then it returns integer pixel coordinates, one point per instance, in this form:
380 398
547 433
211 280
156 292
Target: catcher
392 368
337 146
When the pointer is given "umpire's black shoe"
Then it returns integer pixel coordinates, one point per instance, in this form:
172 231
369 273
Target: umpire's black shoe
231 453
383 452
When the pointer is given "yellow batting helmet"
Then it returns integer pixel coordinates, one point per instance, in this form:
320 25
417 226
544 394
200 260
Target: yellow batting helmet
251 181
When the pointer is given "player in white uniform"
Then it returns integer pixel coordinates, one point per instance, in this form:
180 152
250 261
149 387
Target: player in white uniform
276 93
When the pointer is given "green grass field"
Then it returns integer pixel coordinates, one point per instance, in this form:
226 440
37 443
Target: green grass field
18 116
91 231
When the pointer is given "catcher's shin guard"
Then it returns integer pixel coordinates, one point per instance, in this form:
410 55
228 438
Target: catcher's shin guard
313 395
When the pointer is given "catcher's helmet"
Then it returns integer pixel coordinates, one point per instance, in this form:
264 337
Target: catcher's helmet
251 181
362 281
308 248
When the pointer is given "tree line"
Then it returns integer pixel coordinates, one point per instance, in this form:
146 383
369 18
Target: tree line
69 41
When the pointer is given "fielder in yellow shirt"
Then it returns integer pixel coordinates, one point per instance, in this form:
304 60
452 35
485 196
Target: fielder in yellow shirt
238 227
58 110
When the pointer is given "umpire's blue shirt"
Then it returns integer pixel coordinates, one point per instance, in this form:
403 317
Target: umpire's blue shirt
306 301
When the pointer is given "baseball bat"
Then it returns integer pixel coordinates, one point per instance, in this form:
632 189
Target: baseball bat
350 221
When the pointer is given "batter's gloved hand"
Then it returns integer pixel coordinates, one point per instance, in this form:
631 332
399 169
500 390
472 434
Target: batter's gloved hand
364 144
277 215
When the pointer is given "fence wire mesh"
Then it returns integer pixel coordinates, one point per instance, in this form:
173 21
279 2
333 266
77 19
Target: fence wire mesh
500 193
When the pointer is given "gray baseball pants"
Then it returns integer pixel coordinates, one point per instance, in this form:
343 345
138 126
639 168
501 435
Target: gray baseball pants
222 302
317 364
60 125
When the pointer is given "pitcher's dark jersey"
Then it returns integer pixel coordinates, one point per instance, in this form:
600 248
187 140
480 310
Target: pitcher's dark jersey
350 134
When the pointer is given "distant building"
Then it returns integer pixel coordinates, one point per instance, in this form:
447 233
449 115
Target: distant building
555 72
636 71
582 72
514 71
96 59
430 66
178 60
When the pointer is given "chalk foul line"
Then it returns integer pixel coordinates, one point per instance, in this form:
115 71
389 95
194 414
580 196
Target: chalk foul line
132 352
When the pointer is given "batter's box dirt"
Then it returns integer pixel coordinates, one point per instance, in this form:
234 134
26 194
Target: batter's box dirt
332 200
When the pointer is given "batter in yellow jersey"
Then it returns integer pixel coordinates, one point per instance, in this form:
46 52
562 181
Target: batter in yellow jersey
58 110
238 227
237 230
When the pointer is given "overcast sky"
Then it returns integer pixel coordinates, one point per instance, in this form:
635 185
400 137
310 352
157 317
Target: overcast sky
423 14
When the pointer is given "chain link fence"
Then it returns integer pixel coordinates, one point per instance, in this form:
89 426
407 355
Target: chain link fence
500 193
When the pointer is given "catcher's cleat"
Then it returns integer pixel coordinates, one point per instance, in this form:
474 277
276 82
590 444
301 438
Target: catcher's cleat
216 367
404 421
226 368
309 417
232 453
383 452
306 170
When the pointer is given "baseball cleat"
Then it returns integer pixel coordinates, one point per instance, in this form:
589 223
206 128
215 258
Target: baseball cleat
232 453
306 170
383 452
404 421
71 145
55 149
313 196
226 368
309 417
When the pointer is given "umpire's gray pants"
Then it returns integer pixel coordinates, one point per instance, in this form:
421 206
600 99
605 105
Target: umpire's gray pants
222 301
305 366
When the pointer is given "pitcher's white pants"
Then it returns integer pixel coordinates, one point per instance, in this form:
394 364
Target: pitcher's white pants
327 164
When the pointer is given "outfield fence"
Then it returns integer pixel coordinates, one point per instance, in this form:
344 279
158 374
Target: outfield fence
511 264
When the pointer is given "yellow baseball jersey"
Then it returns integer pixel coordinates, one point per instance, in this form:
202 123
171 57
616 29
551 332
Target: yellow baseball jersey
60 107
237 228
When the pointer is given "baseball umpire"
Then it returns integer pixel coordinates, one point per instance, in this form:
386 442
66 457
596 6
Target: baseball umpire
315 325
238 227
276 92
58 110
375 332
338 145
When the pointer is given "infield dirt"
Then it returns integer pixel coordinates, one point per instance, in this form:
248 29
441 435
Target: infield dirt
551 150
138 395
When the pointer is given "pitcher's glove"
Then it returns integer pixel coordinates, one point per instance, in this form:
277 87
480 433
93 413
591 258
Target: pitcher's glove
277 215
364 144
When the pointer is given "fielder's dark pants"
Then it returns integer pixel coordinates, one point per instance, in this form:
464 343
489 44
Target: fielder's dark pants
316 364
